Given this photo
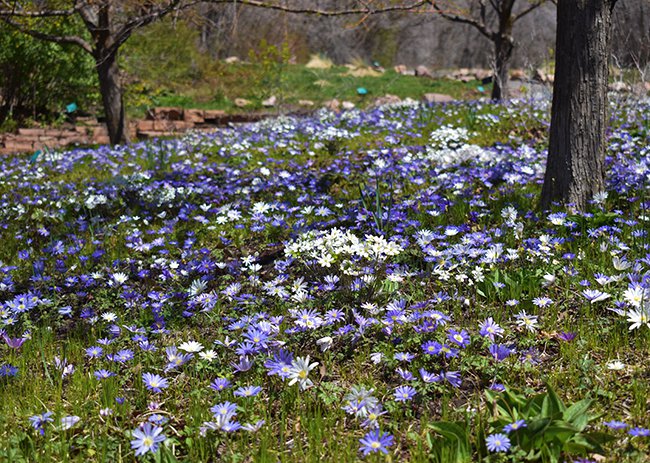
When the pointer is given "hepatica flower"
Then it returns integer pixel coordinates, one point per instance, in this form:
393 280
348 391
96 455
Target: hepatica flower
376 441
147 438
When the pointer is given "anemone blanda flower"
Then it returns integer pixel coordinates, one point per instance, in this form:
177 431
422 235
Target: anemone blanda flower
299 372
497 443
154 382
375 441
147 438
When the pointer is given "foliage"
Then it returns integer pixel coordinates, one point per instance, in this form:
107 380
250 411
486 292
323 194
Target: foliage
551 430
38 79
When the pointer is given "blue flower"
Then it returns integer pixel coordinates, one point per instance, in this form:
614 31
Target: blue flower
147 439
376 441
155 383
514 426
404 393
247 391
38 422
497 443
220 384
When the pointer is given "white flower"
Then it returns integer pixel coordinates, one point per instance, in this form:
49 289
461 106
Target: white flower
616 365
299 371
208 355
639 317
191 346
325 343
109 317
376 357
120 278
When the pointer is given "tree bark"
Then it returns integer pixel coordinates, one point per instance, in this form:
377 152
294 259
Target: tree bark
575 167
112 99
503 47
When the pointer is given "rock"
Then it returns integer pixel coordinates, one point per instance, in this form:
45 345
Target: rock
241 102
423 71
481 74
145 126
437 98
270 102
232 60
518 74
166 114
465 78
619 87
386 99
195 116
213 115
333 105
305 103
401 69
542 76
348 105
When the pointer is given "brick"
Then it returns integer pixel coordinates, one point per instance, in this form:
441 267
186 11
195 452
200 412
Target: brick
144 126
213 114
31 132
167 114
195 116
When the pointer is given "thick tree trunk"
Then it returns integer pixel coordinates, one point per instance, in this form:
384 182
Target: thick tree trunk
503 47
575 168
111 91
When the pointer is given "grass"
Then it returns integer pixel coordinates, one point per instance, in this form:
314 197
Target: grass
290 83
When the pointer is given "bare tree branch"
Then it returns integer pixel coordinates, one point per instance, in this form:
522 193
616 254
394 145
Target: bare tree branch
366 10
533 6
480 26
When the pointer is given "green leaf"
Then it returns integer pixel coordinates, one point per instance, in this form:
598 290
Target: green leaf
459 440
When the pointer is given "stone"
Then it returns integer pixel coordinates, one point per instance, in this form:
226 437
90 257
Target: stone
31 132
232 60
386 99
518 74
270 102
423 71
241 102
465 78
305 103
166 113
401 69
619 86
348 105
437 98
333 105
195 116
145 126
481 74
213 115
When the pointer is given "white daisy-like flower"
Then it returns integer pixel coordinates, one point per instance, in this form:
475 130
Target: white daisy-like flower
109 317
639 317
325 343
120 278
299 371
615 365
191 346
208 355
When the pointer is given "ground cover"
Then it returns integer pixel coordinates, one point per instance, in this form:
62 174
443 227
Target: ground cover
366 285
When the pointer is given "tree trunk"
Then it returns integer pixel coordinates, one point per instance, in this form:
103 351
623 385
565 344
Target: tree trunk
111 91
575 167
503 47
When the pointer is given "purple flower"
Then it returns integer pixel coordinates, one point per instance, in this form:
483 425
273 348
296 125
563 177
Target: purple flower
404 393
514 426
490 329
147 439
615 424
497 443
155 383
220 384
639 432
500 352
461 338
247 391
103 374
38 422
566 336
376 441
14 343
